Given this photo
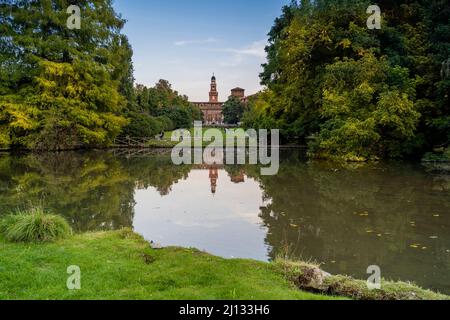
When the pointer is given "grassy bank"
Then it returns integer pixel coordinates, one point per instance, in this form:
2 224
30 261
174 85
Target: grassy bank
309 277
121 265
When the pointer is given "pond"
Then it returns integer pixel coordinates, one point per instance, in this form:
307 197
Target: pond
395 215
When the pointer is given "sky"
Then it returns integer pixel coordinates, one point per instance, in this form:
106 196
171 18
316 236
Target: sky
186 41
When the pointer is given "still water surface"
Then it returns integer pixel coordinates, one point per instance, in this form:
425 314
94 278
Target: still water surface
395 215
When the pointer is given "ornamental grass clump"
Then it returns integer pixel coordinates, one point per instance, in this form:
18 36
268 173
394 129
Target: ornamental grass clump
34 226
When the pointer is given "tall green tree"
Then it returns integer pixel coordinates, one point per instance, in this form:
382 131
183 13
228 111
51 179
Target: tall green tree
62 88
166 105
320 84
233 110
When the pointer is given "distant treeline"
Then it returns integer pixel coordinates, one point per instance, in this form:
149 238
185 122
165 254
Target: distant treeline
62 88
354 93
157 109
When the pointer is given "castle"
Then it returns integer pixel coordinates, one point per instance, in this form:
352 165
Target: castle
212 110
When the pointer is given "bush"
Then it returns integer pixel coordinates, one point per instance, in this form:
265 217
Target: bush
142 125
34 226
167 123
180 116
233 110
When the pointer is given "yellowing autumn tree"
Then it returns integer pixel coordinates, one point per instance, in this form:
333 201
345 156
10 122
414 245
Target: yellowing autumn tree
61 88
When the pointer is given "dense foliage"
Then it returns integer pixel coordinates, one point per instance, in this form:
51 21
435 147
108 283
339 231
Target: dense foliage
158 109
62 88
233 110
357 93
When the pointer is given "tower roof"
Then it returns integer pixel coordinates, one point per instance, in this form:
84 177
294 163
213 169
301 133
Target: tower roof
213 78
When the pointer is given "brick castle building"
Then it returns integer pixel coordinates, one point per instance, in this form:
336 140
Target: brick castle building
212 110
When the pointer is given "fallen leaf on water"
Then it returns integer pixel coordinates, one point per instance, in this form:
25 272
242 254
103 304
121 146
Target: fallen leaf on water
370 231
434 237
424 248
415 246
436 215
294 225
379 235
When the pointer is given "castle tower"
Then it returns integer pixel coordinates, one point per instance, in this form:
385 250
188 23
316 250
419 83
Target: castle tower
213 94
238 93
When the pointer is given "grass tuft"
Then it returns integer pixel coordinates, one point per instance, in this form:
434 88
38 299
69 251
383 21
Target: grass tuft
34 226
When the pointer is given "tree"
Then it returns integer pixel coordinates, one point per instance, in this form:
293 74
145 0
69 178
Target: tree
142 125
168 105
364 115
320 83
62 88
233 110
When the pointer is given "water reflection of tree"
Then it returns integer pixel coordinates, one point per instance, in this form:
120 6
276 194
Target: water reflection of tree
93 190
235 173
155 170
357 217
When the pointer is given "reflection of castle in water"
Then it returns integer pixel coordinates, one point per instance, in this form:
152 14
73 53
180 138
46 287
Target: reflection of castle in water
213 161
238 177
213 177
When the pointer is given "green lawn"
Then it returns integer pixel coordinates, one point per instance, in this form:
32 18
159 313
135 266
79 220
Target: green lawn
121 265
166 142
240 132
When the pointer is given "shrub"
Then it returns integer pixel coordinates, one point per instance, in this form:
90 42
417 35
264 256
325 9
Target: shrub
142 125
167 123
233 110
181 116
34 226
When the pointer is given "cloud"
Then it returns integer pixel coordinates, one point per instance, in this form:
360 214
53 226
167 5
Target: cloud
191 42
255 49
238 55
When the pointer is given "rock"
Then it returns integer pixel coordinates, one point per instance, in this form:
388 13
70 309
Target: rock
313 279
